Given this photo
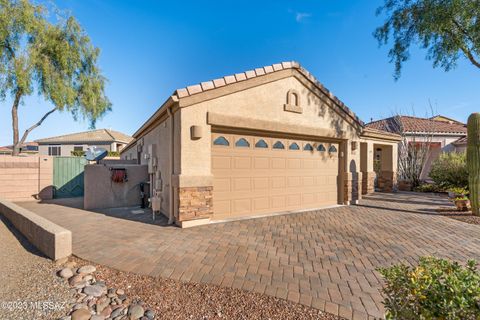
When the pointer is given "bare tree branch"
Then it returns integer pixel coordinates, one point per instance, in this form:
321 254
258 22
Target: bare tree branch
25 134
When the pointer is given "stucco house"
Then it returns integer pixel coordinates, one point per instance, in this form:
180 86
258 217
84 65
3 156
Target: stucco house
260 142
28 148
441 133
63 145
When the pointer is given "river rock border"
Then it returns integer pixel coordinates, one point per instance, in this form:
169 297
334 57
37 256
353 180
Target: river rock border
94 301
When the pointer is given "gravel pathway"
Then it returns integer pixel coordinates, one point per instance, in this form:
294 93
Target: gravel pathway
29 288
173 299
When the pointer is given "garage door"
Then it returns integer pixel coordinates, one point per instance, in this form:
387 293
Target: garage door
258 175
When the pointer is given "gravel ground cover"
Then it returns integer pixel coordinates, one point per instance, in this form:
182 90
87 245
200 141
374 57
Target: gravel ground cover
172 299
464 216
29 288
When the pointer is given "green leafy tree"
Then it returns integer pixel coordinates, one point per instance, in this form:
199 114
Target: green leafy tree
53 57
447 29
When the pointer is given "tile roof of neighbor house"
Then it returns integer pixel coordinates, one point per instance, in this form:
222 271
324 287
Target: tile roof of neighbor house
92 136
258 72
410 124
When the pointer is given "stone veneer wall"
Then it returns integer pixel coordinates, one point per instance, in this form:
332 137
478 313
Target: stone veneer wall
195 203
387 181
368 182
353 186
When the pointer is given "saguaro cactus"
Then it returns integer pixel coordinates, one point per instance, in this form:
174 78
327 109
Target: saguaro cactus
473 161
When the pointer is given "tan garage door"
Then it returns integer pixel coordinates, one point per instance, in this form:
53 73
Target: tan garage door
259 175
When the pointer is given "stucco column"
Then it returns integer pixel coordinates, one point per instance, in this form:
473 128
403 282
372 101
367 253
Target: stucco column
194 181
366 166
353 176
389 164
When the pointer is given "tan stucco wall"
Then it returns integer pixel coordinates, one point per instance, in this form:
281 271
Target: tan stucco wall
261 103
160 136
26 178
101 192
52 240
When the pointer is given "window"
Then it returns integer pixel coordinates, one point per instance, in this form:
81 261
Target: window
242 142
278 145
332 149
294 146
308 147
321 148
54 150
78 148
221 141
32 148
261 144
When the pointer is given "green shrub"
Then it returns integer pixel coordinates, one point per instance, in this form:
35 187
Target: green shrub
435 289
450 170
428 187
77 153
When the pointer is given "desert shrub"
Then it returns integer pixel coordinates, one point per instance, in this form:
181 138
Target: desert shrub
77 153
428 187
435 289
450 170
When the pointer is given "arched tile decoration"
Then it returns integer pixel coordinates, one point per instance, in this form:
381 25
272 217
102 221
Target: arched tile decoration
332 149
221 141
261 144
308 147
278 145
294 146
242 143
321 148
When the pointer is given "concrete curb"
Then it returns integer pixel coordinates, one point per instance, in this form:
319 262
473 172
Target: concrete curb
52 240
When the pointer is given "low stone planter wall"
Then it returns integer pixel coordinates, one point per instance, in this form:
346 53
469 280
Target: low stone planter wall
52 240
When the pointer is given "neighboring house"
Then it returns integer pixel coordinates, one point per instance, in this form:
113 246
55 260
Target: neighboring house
64 145
264 141
28 148
441 133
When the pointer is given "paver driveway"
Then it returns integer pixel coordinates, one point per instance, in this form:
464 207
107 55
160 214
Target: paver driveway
325 258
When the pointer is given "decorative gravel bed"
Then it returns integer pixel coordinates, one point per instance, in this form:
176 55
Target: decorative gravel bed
29 288
464 216
170 299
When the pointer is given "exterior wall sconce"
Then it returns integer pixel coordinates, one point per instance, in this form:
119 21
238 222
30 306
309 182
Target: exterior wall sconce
195 132
293 102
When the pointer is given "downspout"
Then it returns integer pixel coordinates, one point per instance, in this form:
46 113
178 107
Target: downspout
172 166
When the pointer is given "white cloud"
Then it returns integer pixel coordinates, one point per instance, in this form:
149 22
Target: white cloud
301 16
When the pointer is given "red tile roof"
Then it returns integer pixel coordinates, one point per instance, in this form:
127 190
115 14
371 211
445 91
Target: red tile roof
410 124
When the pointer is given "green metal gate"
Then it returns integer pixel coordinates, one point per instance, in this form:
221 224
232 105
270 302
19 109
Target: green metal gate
68 176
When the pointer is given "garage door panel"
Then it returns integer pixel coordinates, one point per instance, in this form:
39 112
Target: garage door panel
261 163
221 162
241 184
257 179
241 206
260 183
278 182
242 162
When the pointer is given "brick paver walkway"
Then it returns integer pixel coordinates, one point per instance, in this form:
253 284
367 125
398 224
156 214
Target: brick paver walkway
325 259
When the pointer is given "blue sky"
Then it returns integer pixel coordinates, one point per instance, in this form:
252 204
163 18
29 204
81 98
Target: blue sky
150 48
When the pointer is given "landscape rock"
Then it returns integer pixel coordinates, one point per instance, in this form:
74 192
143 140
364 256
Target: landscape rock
73 281
81 314
79 306
86 269
97 317
120 291
106 312
150 314
135 312
94 290
117 312
70 264
66 273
